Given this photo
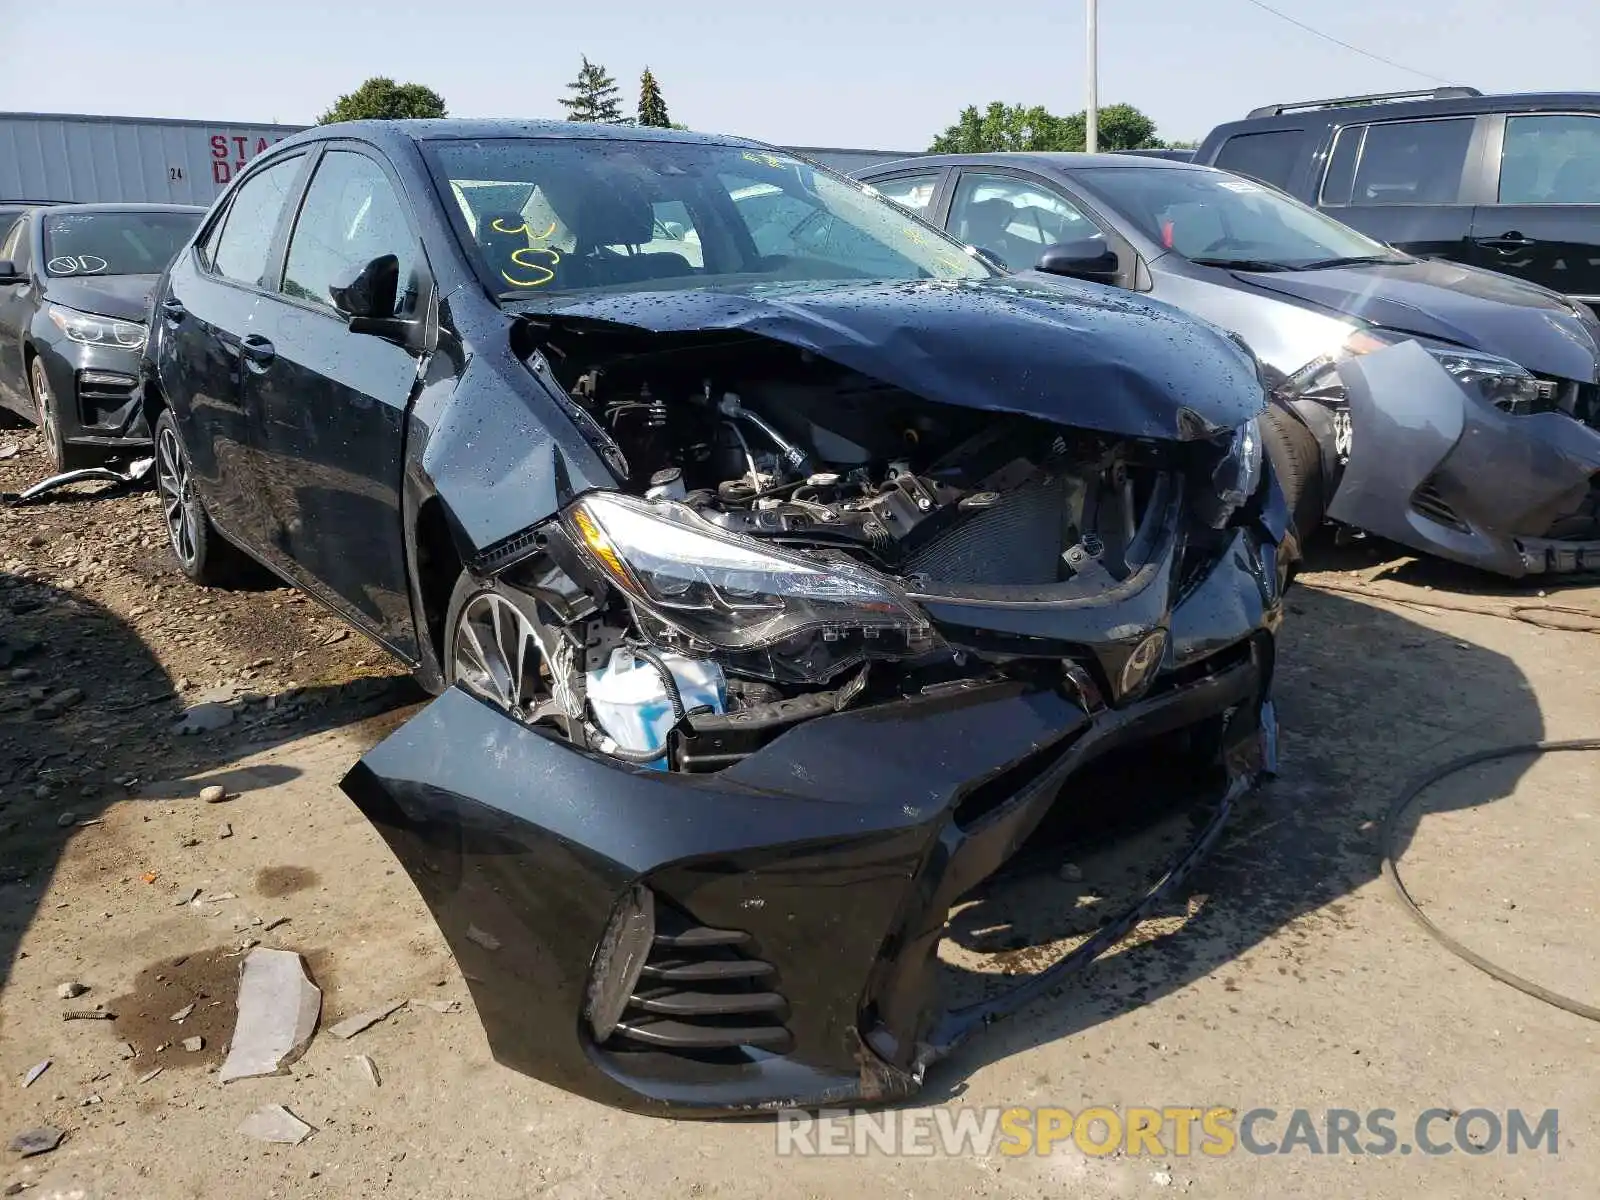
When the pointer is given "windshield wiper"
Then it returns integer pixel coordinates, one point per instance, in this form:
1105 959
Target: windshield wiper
1241 264
1355 260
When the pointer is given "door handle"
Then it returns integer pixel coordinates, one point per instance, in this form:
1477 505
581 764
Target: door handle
1506 241
258 352
174 310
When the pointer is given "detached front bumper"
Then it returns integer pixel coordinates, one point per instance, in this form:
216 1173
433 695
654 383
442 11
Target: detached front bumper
1434 469
801 894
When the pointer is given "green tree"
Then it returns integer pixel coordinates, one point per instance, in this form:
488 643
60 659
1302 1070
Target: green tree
652 108
594 96
382 99
1002 127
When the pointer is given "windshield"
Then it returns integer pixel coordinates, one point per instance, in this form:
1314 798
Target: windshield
563 215
115 243
1215 218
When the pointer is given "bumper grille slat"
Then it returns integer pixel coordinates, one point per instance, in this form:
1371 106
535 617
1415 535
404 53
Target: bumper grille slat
702 990
681 1035
691 1004
689 971
1427 501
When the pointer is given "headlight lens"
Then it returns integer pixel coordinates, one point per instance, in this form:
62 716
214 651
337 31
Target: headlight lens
1238 475
782 613
92 330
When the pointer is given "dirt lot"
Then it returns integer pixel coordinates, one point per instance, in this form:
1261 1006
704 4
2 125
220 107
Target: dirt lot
1286 977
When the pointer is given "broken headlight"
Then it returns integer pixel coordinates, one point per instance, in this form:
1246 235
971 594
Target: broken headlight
92 330
1494 380
1238 475
733 594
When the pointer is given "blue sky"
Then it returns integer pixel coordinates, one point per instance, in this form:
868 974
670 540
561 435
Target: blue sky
817 72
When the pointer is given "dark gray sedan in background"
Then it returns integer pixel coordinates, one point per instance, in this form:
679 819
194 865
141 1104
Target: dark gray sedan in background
75 282
1448 408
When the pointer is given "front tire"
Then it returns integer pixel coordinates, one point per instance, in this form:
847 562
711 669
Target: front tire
497 647
202 553
47 416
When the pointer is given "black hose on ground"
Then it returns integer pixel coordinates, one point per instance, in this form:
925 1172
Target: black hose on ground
1408 796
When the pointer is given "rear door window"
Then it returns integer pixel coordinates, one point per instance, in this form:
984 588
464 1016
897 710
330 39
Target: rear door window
244 245
1551 159
1270 157
1014 219
1406 162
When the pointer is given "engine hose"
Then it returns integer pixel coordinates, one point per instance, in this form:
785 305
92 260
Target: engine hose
639 757
679 713
1407 797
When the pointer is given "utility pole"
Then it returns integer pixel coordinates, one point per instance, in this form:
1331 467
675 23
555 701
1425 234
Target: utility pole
1091 112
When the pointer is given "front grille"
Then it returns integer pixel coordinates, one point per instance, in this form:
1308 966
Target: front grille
1018 541
105 398
703 990
1427 501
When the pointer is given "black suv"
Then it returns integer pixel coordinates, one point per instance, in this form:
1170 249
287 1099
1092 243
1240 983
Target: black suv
1511 183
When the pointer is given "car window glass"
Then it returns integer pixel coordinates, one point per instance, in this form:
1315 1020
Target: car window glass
1411 162
914 192
1014 219
1341 173
245 242
1551 159
114 242
1269 157
351 216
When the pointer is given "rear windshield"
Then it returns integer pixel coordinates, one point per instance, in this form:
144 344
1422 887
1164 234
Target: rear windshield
115 243
562 215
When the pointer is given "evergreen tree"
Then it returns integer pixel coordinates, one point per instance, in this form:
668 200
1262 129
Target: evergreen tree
652 108
594 96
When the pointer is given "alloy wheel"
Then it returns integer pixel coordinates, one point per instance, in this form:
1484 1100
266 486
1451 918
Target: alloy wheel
178 504
45 410
497 656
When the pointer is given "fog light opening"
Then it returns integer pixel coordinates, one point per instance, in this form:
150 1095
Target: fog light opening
1140 668
619 959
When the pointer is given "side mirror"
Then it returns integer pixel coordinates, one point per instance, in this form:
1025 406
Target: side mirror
1086 258
370 293
9 272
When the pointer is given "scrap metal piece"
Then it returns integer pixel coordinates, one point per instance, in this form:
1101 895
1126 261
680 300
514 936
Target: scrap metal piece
135 474
351 1026
275 1123
368 1069
34 1072
278 1011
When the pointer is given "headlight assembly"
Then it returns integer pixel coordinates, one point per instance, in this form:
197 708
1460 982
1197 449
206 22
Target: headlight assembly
1238 475
1494 380
780 613
92 330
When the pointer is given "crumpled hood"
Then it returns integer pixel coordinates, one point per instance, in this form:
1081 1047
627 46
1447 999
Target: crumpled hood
1479 309
126 297
1078 355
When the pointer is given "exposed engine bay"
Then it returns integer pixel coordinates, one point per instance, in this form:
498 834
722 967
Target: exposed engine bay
781 522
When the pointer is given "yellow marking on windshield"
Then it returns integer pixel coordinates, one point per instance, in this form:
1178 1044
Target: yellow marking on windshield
544 273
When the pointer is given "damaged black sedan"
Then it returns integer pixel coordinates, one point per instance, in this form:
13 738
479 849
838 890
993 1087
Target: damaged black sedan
779 563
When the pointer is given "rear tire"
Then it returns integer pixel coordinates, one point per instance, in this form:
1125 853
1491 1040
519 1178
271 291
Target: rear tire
203 554
1297 462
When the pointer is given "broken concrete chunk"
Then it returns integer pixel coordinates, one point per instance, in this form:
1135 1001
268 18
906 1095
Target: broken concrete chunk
485 939
351 1026
367 1069
126 1050
35 1141
213 793
275 1123
193 895
441 1006
194 1045
278 1011
149 1075
66 819
71 991
34 1072
183 1012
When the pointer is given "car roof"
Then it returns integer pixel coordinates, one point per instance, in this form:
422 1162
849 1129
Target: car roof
123 207
1038 160
471 129
1355 109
